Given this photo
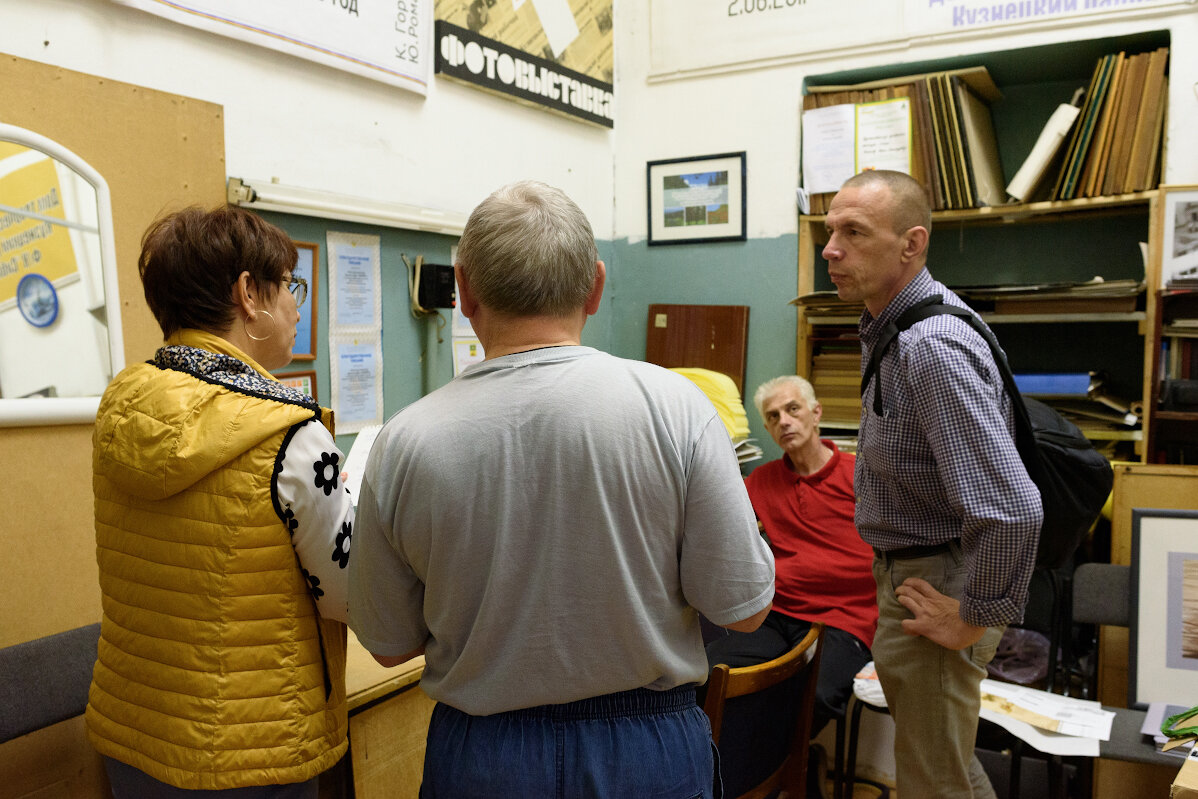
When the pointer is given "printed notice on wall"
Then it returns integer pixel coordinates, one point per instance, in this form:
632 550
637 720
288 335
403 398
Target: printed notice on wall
355 331
390 42
357 367
354 281
884 135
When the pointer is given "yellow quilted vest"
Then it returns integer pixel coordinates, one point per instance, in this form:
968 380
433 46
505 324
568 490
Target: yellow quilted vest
214 669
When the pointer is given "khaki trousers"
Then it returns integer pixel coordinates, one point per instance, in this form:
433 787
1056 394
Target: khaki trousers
934 693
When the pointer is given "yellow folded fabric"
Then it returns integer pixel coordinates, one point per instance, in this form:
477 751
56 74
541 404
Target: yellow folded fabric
722 392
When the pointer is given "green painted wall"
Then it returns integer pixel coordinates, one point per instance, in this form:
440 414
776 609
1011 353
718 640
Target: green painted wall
404 337
759 273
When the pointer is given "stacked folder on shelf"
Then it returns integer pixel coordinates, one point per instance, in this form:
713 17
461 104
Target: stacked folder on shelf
1115 148
953 149
1080 396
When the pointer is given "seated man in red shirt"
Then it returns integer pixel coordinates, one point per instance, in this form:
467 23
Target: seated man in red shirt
804 502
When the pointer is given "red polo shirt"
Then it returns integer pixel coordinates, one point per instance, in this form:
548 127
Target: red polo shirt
823 568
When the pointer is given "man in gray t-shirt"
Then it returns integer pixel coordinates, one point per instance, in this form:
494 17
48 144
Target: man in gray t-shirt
546 530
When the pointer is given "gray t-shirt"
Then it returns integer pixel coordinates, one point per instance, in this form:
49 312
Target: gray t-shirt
549 524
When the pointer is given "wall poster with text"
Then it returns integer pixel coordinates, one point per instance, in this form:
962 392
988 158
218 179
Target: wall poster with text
555 54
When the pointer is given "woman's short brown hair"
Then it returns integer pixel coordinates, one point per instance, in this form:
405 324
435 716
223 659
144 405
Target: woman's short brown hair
190 260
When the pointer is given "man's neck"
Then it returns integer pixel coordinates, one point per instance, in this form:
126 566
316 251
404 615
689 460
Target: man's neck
811 459
510 335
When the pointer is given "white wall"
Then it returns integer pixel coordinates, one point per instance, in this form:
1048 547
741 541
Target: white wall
317 127
757 109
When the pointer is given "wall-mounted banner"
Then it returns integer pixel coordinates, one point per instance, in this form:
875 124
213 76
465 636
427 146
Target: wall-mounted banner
716 35
555 54
386 41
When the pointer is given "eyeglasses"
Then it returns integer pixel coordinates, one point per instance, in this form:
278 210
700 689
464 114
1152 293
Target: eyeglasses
299 289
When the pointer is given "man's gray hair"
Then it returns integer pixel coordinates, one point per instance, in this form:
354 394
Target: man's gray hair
528 250
767 388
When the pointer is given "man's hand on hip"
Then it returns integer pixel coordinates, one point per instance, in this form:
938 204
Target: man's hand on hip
937 617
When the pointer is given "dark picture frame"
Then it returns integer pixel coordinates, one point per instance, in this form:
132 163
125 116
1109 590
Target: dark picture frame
1163 640
304 380
307 267
697 200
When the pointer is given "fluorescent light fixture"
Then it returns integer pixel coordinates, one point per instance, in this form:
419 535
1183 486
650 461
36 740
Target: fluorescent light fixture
268 195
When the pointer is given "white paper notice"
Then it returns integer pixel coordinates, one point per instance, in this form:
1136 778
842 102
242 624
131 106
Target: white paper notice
355 287
558 21
884 135
466 351
828 135
357 384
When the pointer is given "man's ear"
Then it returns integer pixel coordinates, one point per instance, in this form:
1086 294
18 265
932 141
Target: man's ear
592 305
915 242
466 300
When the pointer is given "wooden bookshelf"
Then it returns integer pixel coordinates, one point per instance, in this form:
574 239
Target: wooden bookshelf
1031 243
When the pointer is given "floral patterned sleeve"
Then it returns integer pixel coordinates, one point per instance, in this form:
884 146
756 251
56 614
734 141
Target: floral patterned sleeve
313 502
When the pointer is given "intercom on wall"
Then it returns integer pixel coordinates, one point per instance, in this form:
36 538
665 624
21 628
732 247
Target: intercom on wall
436 287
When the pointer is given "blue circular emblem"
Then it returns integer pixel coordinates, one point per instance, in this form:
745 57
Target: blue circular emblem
37 300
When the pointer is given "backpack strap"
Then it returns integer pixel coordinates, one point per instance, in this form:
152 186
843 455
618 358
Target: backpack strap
935 306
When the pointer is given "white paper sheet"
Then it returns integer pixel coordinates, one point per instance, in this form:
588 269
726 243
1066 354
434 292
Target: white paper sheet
355 460
828 156
1073 716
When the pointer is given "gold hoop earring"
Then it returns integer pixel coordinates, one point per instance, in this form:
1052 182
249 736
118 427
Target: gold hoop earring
246 328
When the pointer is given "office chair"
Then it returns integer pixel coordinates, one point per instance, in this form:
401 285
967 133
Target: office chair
763 743
1101 595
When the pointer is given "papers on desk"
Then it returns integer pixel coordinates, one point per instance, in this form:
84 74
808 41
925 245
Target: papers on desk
355 461
1154 717
1054 724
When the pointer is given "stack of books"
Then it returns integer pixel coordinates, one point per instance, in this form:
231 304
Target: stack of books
1115 147
952 145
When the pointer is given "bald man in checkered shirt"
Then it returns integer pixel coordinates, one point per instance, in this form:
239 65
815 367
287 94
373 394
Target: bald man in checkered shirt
942 495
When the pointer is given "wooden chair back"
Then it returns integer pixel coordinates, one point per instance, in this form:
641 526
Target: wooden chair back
800 664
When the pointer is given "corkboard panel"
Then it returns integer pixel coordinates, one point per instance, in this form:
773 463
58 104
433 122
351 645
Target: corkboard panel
1136 486
158 152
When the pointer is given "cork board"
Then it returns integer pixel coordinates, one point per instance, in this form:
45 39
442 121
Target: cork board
1136 486
158 152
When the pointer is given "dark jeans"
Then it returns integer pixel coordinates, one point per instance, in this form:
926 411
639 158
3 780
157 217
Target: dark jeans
130 783
637 743
844 655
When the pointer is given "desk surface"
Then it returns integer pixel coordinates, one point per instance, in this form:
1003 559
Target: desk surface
367 681
1128 744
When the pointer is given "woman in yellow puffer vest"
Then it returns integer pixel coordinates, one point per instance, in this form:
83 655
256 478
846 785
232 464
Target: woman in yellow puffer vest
222 533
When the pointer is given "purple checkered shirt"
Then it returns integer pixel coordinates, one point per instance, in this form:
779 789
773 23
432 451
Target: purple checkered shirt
940 462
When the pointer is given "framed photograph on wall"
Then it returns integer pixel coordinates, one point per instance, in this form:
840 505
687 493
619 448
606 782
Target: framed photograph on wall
303 381
306 268
1163 642
693 200
1179 250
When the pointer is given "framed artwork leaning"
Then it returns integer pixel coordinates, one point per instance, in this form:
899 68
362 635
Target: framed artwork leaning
1163 640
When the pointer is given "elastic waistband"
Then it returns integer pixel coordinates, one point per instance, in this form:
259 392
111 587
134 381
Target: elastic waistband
637 702
918 551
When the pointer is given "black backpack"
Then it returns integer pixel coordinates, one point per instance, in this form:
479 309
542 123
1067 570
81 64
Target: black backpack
1074 479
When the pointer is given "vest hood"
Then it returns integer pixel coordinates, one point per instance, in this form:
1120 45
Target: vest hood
167 423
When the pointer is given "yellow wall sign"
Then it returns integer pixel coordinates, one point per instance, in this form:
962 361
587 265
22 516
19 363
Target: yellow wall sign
29 244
